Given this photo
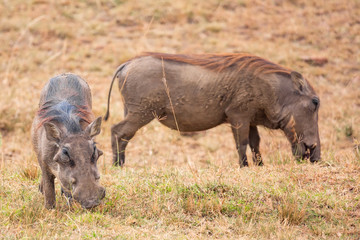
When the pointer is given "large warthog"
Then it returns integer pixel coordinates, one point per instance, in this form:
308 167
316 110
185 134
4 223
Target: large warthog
63 134
198 92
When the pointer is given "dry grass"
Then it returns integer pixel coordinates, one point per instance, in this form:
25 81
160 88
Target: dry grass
175 187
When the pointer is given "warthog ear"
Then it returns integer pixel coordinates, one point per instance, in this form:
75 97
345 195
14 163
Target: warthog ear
94 128
53 133
298 81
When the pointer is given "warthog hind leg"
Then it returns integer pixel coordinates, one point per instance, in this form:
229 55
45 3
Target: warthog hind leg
122 132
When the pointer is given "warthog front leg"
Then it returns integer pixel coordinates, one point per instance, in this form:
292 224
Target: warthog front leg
240 128
254 142
47 188
121 134
241 136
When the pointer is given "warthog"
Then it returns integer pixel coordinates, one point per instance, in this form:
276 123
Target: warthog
198 92
63 134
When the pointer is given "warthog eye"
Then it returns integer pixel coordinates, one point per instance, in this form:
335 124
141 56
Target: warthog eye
65 152
93 156
315 101
66 159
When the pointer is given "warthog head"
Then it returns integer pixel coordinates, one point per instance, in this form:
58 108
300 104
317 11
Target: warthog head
302 127
77 157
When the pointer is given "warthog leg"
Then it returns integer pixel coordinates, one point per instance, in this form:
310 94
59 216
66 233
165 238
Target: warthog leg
240 131
254 142
122 132
47 188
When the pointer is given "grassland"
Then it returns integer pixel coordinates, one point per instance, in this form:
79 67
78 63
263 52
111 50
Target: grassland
175 187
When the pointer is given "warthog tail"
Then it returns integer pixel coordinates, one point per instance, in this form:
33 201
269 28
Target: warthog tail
118 70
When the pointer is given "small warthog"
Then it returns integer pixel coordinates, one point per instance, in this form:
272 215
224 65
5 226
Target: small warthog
62 135
198 92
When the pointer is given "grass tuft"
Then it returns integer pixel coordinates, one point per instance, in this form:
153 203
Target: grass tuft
290 212
30 172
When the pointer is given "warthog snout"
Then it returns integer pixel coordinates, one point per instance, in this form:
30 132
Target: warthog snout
304 151
314 152
92 201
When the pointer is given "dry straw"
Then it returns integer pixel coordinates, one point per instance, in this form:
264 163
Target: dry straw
168 94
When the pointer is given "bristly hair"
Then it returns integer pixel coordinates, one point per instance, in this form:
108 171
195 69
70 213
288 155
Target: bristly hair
65 113
220 62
